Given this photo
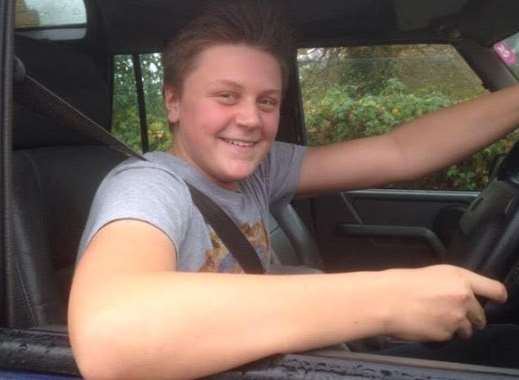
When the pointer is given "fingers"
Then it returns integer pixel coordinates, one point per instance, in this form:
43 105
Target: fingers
486 287
465 330
475 319
476 315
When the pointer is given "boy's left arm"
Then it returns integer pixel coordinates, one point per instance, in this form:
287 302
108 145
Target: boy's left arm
414 149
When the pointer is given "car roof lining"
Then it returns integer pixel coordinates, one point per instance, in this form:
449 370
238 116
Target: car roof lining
127 26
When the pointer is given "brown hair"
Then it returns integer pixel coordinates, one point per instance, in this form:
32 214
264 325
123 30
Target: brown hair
252 22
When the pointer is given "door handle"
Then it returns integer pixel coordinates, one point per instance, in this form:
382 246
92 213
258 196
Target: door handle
374 230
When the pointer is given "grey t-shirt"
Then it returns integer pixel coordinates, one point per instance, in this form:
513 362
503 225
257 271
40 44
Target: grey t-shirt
154 191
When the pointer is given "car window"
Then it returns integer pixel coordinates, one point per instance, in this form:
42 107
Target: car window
125 118
49 13
352 92
508 51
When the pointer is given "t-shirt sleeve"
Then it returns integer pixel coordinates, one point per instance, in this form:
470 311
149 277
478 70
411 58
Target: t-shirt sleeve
282 170
141 192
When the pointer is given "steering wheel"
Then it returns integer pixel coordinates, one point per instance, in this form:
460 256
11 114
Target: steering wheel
487 240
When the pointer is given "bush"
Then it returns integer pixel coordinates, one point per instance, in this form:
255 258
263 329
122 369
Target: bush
125 117
341 114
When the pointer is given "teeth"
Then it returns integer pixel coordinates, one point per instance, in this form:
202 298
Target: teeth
243 144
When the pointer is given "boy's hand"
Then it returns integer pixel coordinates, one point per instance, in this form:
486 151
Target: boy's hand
437 302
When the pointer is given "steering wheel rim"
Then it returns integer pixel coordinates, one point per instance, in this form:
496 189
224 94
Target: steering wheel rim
487 240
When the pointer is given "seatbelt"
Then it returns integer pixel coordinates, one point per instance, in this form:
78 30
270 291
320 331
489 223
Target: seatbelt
233 238
40 99
35 95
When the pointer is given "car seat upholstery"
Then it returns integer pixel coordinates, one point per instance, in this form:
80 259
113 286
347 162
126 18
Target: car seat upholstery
56 171
73 76
52 190
291 240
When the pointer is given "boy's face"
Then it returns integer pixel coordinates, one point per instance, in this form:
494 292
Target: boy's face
228 112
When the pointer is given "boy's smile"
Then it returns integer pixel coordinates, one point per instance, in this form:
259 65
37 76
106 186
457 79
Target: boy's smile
227 113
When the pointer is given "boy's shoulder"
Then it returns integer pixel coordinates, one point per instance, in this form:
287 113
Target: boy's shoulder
154 164
134 175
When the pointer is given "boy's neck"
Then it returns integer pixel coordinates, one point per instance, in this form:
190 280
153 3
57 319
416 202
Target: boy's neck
232 186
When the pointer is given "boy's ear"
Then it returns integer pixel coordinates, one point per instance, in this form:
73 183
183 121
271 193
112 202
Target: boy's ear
172 104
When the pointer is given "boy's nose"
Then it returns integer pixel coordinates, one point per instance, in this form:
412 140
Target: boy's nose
248 115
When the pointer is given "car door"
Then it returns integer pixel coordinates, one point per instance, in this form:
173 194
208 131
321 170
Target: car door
354 92
383 228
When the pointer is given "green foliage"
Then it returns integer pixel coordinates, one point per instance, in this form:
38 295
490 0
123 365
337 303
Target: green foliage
341 115
125 117
364 102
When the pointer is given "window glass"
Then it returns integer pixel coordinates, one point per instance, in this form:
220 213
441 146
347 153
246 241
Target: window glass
158 130
49 13
125 117
352 92
508 51
125 112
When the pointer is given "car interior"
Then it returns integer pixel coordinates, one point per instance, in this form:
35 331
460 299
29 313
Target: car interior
56 165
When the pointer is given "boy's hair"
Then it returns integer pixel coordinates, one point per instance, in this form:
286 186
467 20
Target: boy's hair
255 23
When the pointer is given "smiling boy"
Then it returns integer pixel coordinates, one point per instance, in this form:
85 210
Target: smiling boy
143 303
224 144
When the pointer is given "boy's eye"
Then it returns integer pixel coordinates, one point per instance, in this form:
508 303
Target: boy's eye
227 97
268 104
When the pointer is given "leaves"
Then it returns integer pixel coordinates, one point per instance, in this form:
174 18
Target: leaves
125 117
377 88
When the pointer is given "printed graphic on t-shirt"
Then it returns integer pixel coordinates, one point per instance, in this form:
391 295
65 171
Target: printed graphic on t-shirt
219 259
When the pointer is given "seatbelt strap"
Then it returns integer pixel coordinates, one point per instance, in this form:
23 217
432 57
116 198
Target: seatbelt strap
233 238
38 97
42 100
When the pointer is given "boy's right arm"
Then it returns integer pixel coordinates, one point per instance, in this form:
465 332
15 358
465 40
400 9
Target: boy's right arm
132 316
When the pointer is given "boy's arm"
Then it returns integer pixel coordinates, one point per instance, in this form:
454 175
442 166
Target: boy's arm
131 316
414 149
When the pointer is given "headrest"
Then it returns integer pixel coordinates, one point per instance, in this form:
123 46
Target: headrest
71 75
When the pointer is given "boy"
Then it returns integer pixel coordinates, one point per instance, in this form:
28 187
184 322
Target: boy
137 310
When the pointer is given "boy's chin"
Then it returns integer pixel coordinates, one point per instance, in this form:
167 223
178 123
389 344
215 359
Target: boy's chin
236 177
238 173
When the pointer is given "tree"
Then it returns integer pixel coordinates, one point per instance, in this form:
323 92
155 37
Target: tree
364 91
125 117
